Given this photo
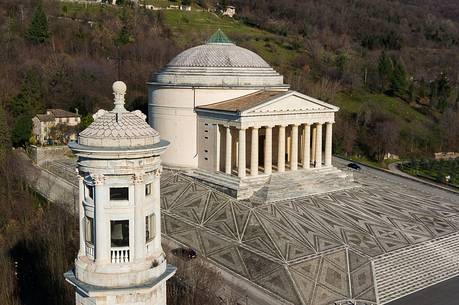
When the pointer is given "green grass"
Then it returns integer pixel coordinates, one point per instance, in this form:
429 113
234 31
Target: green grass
401 111
160 3
189 27
367 161
435 170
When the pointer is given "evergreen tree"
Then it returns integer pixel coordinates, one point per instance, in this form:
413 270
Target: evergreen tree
22 130
5 137
398 80
384 70
29 101
124 36
85 121
444 91
38 31
223 4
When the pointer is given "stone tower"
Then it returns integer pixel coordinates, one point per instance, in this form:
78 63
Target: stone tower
120 260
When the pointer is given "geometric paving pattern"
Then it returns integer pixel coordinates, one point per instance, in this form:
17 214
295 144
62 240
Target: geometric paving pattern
314 250
317 250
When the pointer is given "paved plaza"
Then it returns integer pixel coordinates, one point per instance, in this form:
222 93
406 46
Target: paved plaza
321 248
313 250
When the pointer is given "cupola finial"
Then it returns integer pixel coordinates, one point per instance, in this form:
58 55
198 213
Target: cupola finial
119 90
219 37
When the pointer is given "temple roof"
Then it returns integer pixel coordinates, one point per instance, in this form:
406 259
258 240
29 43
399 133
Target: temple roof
272 102
244 102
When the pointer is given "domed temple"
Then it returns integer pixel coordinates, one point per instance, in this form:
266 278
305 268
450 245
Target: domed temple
248 183
228 112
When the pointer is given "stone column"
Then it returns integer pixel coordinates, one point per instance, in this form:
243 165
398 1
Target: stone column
268 150
254 153
102 242
294 149
217 148
82 222
281 150
314 142
139 218
328 144
241 153
228 148
307 146
319 146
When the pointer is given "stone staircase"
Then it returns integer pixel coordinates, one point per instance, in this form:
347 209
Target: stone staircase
403 272
270 188
230 184
304 183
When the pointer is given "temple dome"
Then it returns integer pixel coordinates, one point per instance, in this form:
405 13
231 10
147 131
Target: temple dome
219 62
119 127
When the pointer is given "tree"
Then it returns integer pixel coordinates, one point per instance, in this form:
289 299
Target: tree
29 101
398 80
5 137
384 70
38 31
85 122
444 91
124 36
223 4
21 131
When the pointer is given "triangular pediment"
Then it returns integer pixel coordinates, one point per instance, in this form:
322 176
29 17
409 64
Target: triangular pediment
291 102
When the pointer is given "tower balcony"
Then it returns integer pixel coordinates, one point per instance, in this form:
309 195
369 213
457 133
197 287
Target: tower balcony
120 255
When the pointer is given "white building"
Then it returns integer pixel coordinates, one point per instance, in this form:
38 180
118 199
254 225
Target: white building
120 260
228 112
229 11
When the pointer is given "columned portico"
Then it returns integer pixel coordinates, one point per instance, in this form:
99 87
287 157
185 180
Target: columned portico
244 141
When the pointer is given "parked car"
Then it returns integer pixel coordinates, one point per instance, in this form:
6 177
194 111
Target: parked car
354 166
184 253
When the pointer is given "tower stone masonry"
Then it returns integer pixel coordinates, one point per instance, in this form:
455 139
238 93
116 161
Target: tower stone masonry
120 258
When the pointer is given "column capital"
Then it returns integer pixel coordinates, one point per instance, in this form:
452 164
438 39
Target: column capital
137 178
158 171
98 179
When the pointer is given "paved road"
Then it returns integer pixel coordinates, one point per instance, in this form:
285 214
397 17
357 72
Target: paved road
445 293
406 182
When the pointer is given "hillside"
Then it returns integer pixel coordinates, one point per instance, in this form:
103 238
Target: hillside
393 72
